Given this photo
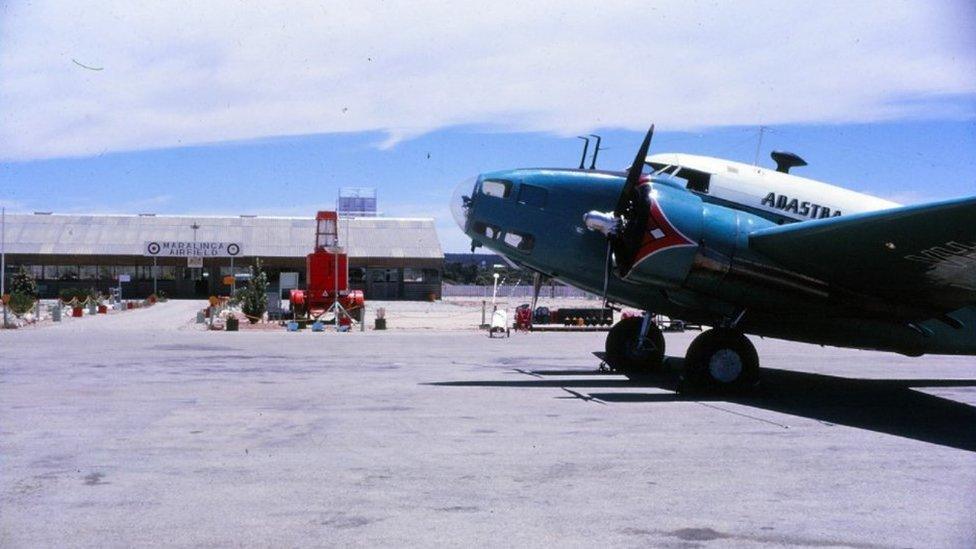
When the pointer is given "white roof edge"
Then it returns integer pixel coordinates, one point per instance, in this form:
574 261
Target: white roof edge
210 216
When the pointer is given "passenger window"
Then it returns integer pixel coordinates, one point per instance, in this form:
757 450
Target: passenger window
530 195
490 231
496 187
519 241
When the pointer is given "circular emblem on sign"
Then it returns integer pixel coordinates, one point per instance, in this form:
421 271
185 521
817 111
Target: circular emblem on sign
153 248
233 249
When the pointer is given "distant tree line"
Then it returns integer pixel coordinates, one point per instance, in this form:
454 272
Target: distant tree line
459 272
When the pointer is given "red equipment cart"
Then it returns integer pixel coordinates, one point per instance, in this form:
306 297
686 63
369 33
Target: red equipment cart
327 277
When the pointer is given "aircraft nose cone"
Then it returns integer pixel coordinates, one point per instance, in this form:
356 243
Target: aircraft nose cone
461 200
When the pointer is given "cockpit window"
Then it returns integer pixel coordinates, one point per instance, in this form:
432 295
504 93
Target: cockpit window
695 180
530 195
496 187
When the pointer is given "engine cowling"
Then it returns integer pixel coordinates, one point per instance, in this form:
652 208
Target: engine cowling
658 243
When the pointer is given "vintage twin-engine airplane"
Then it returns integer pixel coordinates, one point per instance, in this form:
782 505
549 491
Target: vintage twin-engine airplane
744 249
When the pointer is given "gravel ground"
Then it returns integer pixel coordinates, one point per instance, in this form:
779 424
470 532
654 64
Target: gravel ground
143 429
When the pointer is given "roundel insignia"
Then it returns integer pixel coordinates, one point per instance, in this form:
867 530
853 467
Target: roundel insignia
153 248
233 249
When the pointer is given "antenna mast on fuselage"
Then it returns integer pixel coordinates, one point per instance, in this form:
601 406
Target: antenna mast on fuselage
755 161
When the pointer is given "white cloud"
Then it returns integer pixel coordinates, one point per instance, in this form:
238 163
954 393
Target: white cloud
206 72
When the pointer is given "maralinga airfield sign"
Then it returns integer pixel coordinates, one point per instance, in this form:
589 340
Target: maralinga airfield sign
191 249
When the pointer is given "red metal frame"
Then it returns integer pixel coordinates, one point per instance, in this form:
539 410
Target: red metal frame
327 272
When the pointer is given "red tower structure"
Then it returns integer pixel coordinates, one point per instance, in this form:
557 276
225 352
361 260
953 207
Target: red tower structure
327 276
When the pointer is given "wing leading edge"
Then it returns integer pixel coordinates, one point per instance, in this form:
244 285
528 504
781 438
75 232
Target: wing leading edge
923 255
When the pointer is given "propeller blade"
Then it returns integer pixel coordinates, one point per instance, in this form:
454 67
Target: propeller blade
608 266
634 174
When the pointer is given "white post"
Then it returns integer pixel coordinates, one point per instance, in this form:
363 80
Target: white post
494 291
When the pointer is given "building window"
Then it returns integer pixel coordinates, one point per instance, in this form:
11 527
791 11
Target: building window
431 275
167 272
357 274
413 275
67 272
238 270
383 275
498 188
530 195
126 270
88 272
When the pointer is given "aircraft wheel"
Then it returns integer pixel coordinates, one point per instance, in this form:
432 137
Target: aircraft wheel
720 359
623 353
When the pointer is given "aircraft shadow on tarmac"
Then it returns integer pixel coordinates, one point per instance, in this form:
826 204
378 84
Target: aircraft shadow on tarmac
892 407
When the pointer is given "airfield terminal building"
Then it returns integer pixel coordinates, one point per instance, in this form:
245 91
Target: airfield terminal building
389 258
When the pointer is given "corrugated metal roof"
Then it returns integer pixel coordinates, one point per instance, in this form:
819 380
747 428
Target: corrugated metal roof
64 234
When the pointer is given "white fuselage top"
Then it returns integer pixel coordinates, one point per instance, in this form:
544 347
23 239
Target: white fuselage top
782 194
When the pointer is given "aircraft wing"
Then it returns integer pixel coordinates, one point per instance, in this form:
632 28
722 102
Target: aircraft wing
923 255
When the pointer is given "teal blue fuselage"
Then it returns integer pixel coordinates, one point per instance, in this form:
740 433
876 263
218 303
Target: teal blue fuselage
535 218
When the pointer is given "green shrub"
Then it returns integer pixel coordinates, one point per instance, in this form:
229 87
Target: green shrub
81 294
23 283
20 303
253 299
67 294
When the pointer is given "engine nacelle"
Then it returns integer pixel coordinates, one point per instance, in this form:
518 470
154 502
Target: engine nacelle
658 246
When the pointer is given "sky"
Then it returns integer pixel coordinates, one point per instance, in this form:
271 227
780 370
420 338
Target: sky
254 108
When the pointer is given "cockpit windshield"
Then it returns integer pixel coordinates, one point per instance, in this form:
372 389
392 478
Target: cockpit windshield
461 199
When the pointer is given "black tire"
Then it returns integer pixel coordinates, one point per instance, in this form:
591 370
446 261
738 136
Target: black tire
623 354
720 359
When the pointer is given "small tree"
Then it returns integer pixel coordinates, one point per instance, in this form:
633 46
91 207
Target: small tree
254 299
20 304
22 282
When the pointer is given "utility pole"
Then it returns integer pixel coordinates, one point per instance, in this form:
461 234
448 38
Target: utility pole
195 227
3 260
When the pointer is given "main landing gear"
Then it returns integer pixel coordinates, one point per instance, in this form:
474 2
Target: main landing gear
635 346
720 359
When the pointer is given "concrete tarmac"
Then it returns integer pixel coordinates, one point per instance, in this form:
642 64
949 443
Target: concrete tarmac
139 429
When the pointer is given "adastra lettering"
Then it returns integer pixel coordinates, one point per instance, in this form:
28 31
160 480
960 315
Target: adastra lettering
794 205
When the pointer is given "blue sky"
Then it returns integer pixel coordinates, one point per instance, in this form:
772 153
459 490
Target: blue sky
216 109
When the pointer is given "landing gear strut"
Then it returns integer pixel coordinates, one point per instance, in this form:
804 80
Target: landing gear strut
720 359
635 346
